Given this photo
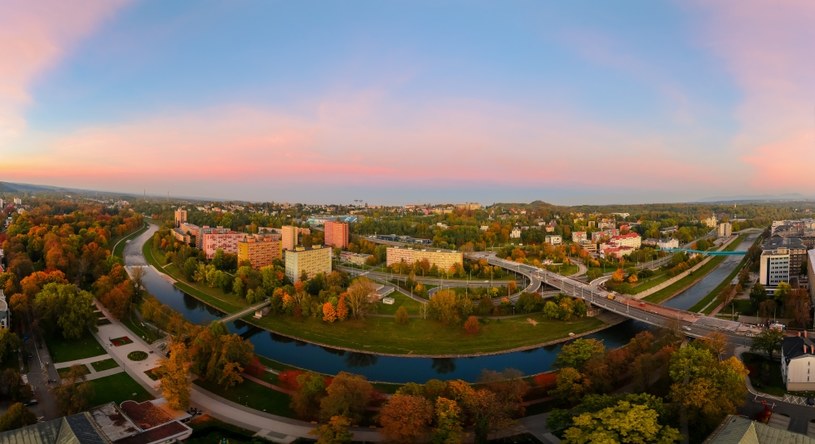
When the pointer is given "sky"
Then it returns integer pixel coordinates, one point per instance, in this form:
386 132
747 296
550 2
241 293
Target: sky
580 102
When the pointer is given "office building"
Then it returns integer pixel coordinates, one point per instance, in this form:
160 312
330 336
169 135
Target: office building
774 267
443 259
796 249
259 250
336 234
311 261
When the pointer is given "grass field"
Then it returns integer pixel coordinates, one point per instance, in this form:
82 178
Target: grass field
64 371
401 300
253 395
148 334
104 365
117 388
427 337
64 350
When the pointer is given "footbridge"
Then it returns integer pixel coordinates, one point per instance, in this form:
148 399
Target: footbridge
692 324
245 311
705 252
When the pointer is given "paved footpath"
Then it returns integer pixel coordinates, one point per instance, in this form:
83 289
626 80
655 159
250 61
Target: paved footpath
276 428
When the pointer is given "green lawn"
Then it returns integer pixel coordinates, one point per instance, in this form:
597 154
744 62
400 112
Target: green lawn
104 365
117 388
426 337
148 334
253 395
401 300
64 350
765 375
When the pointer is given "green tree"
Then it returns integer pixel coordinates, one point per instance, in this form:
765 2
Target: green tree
708 389
66 307
74 393
9 342
571 385
758 294
348 396
622 423
448 428
576 353
768 341
306 399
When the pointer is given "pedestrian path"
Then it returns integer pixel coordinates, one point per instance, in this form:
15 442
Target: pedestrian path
88 364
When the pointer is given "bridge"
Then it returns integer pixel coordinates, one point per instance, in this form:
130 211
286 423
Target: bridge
692 324
245 311
707 253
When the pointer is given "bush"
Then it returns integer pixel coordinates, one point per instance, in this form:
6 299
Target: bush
471 325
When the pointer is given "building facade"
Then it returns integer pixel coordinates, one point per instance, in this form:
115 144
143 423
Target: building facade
180 217
289 236
553 239
796 248
221 240
632 240
774 267
311 261
5 311
667 244
443 259
354 258
798 363
336 234
724 229
579 236
260 250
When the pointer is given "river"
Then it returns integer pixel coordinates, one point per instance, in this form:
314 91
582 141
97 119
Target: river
376 367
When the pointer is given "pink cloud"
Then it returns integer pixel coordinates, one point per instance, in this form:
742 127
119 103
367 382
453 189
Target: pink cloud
34 36
767 47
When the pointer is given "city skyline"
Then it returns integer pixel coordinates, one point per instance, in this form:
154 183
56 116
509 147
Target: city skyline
410 102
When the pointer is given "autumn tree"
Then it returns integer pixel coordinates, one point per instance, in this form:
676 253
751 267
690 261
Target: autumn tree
406 418
309 392
768 340
448 429
401 315
67 307
359 297
219 356
798 305
509 387
329 313
471 325
336 431
348 395
175 382
622 423
9 342
570 385
15 417
715 341
74 393
618 276
342 308
444 306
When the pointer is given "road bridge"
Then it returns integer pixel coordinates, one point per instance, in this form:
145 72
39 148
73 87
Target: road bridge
692 324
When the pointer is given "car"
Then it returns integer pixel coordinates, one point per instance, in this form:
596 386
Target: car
31 402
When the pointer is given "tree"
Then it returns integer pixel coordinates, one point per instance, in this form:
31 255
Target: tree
342 308
306 398
67 307
337 431
348 395
329 313
758 294
510 388
402 315
799 306
74 393
9 342
571 385
448 428
715 341
406 418
359 296
175 382
618 276
622 423
471 325
707 388
768 341
443 306
12 387
16 416
576 353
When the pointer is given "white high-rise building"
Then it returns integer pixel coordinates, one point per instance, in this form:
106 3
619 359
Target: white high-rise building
774 267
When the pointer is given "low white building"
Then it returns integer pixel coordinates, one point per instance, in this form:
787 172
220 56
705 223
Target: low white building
515 233
5 312
667 244
798 363
553 239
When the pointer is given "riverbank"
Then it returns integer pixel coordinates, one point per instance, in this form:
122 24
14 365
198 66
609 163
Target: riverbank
383 336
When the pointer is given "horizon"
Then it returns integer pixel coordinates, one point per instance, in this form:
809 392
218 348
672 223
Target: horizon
578 104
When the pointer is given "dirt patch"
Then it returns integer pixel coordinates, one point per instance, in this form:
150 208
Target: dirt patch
532 321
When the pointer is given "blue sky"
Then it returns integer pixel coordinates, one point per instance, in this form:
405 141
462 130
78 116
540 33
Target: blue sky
397 102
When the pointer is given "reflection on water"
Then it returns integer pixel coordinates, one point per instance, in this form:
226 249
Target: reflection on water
444 366
356 360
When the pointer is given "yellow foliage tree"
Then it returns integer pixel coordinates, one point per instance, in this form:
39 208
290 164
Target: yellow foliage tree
175 384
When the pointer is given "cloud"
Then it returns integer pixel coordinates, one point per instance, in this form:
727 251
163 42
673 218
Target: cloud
767 48
34 36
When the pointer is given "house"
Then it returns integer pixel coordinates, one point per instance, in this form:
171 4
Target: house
5 312
797 362
515 233
736 429
553 239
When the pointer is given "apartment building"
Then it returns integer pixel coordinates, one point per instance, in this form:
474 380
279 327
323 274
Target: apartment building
180 216
336 234
214 239
443 259
310 261
260 250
